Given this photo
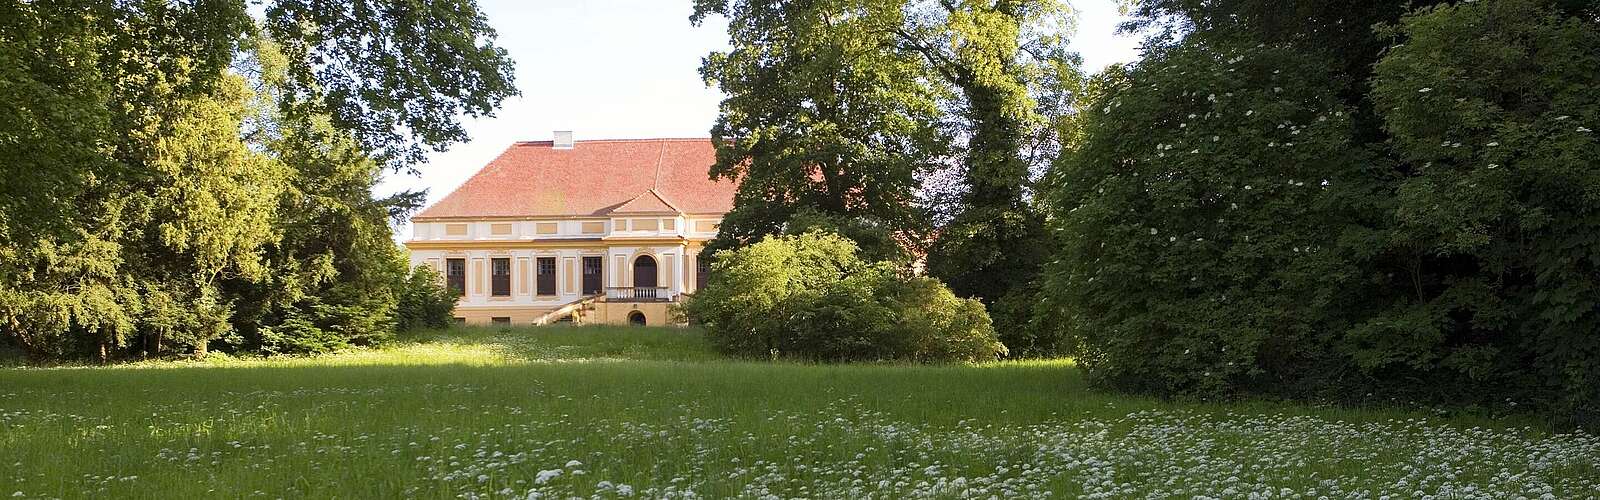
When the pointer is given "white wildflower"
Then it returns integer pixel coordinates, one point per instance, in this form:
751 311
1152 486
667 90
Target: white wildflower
545 476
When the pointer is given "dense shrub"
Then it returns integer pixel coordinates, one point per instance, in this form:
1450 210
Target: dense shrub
425 303
1201 220
1243 217
1501 204
811 296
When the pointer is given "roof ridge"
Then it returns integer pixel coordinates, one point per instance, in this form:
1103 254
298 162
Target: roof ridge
652 192
665 201
656 184
650 139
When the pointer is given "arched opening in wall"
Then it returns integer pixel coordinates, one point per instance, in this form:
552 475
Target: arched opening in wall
644 271
636 318
644 277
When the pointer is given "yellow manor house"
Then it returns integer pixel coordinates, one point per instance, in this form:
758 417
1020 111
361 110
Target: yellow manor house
595 231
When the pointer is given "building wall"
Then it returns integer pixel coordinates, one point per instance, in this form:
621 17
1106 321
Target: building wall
524 242
694 227
617 313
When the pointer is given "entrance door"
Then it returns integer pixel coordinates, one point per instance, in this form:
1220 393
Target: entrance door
644 272
592 274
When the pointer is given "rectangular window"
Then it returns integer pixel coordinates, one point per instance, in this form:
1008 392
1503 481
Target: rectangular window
645 224
546 228
592 275
546 269
500 282
500 320
455 229
502 229
702 268
456 275
594 227
460 320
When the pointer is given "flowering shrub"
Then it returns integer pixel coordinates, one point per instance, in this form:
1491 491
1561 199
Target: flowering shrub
810 296
1242 216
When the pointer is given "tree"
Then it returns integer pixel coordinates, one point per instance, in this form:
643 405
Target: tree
957 101
998 55
823 116
149 193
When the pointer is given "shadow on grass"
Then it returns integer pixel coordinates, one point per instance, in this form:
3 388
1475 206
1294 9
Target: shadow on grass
634 368
574 343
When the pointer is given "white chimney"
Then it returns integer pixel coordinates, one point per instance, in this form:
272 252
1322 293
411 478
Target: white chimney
563 139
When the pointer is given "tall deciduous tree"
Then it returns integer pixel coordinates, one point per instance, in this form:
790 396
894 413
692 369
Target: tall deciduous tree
147 171
824 116
996 55
954 100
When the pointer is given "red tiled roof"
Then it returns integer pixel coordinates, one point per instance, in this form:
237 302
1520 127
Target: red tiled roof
593 178
649 201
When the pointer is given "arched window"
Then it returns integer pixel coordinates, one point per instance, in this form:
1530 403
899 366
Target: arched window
636 318
644 272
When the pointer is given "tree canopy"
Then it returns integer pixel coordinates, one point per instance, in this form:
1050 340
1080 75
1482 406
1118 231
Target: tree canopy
1281 199
183 173
926 121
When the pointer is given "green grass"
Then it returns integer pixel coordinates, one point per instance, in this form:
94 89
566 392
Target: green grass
487 412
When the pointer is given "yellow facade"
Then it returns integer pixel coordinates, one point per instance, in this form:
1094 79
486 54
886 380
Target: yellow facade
523 271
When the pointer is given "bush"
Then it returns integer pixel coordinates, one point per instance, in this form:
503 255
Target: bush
425 303
1202 219
1501 208
1241 217
812 297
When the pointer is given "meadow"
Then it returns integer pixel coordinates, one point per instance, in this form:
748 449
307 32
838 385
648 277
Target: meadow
601 412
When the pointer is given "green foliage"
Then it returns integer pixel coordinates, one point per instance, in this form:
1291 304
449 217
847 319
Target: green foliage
424 302
398 75
174 179
875 241
811 296
1203 217
1500 207
822 115
1247 214
848 110
998 56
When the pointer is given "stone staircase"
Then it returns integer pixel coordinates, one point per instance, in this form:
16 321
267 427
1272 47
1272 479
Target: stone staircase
575 312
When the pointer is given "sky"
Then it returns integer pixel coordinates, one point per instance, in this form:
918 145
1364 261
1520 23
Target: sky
627 69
